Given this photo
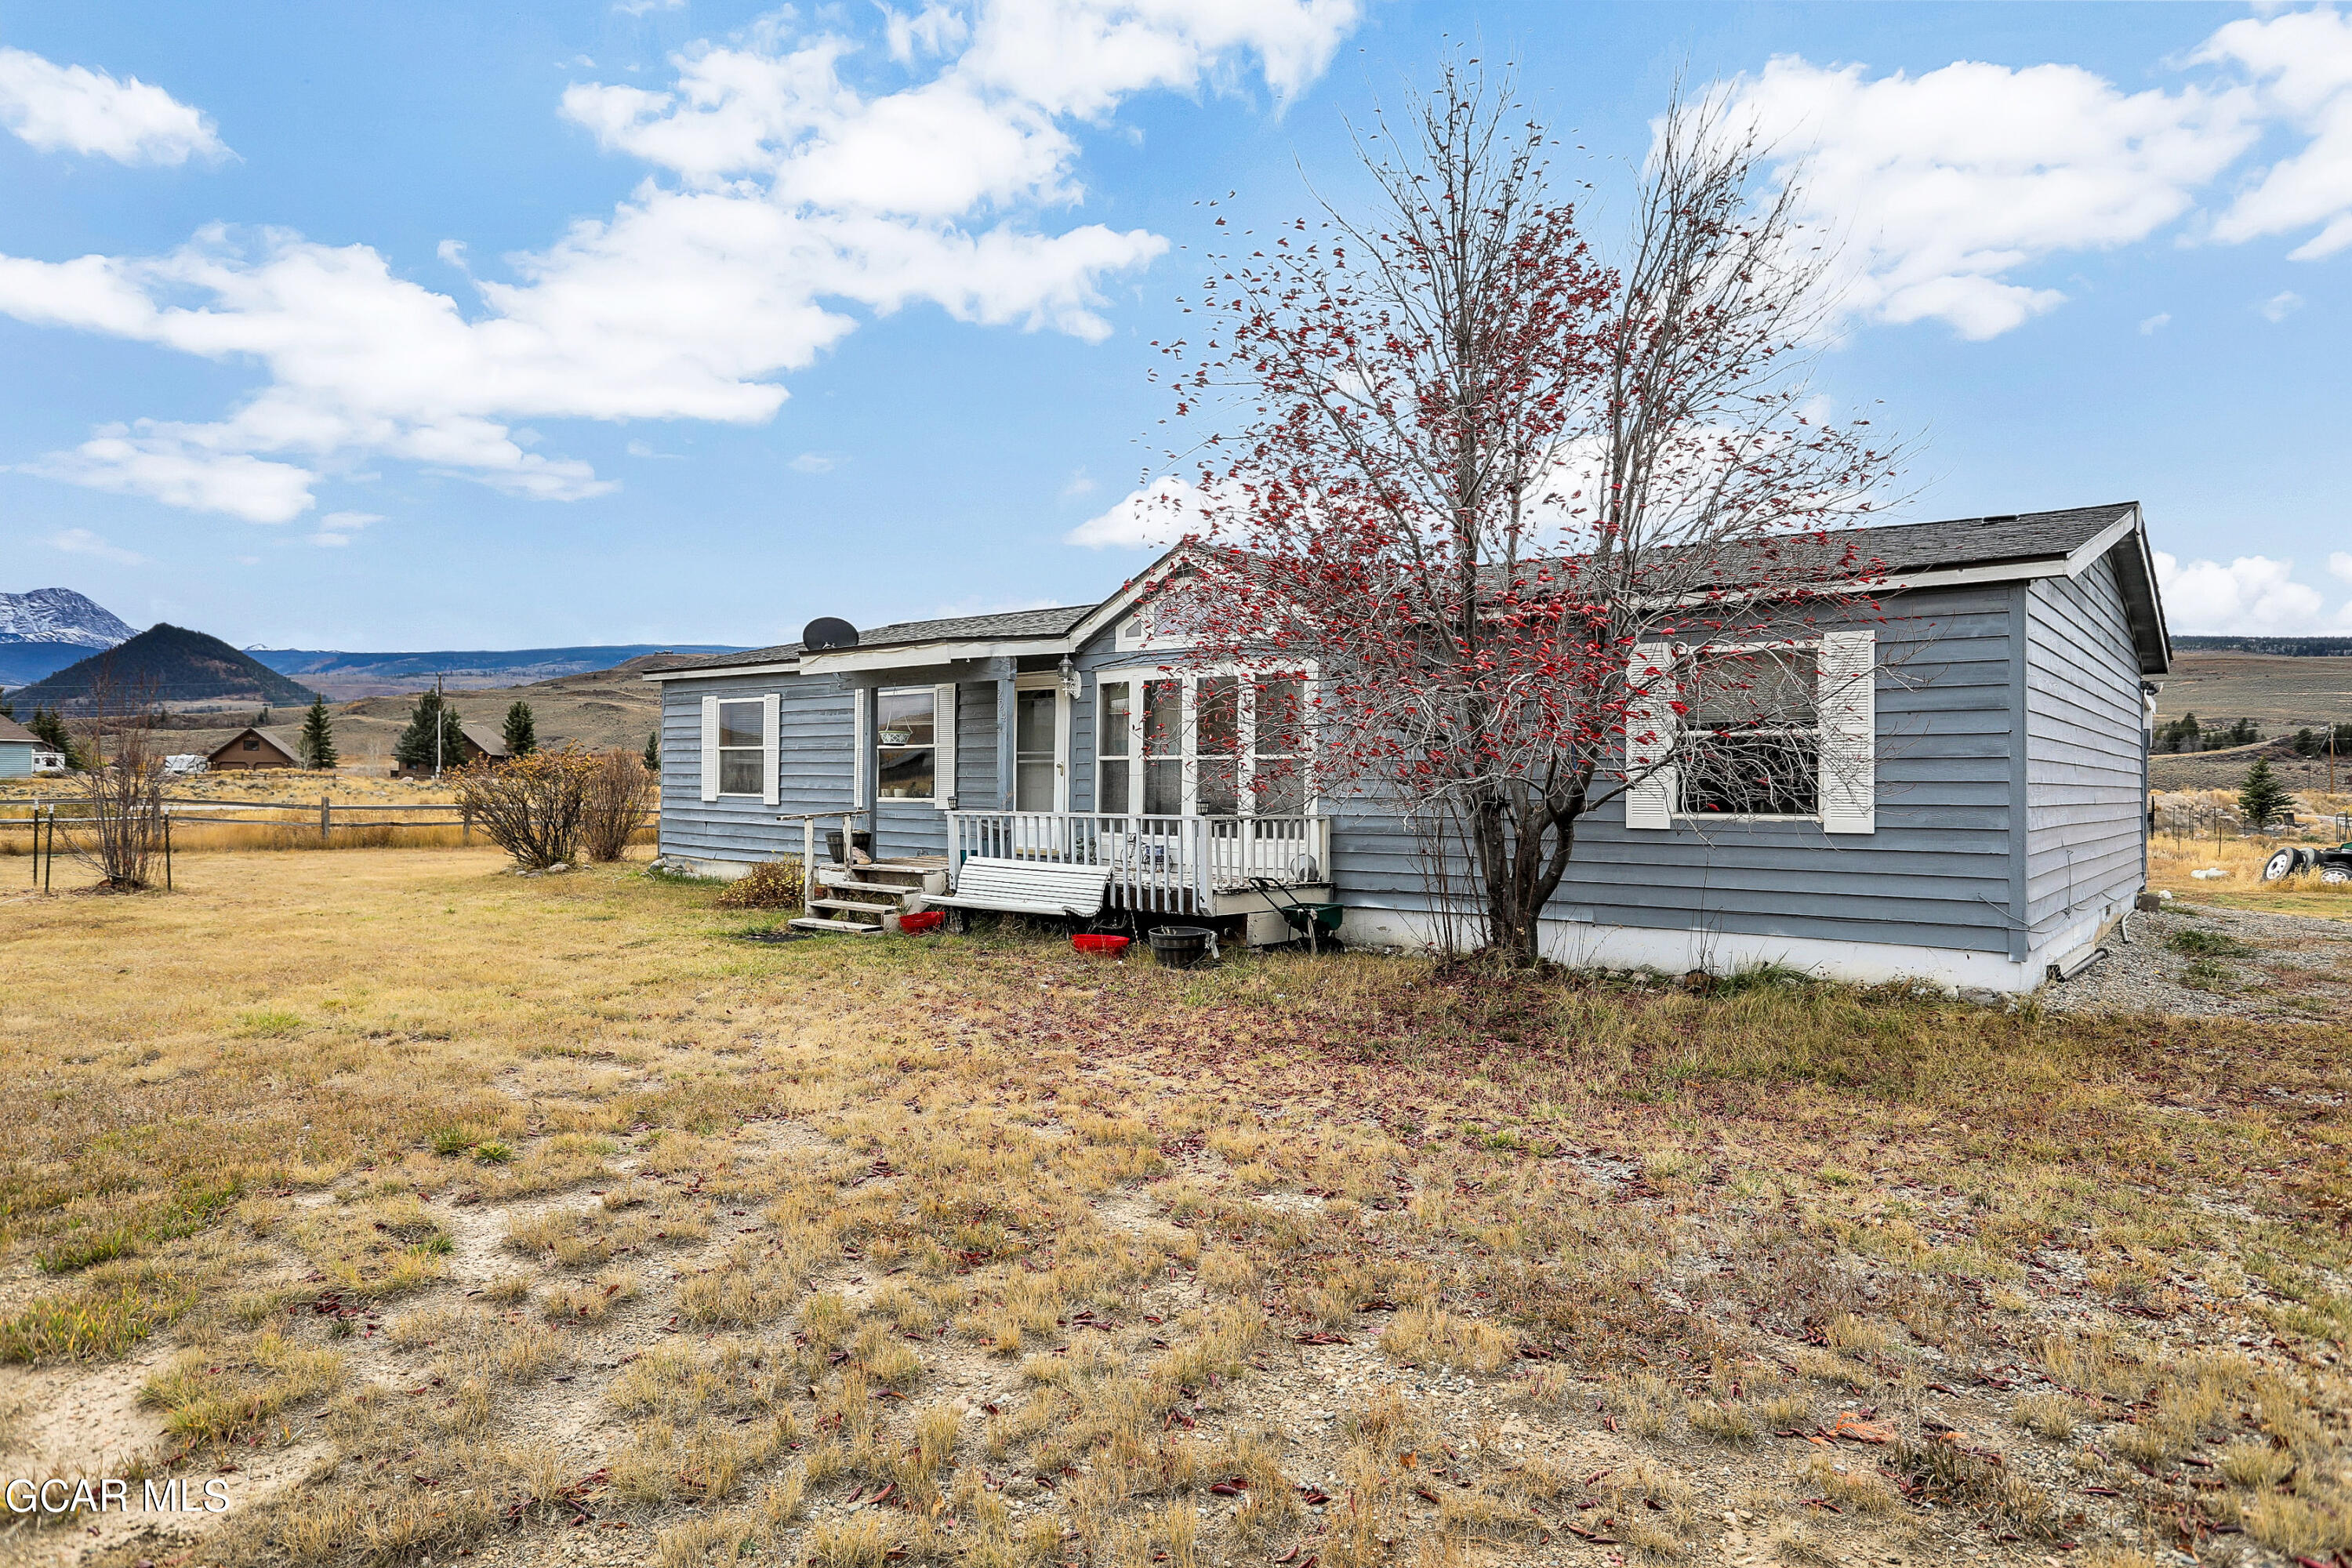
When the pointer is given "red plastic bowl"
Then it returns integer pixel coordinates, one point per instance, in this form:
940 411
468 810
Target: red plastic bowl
1092 944
928 920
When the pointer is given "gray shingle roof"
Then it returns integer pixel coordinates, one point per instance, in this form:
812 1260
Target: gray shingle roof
1897 549
1048 623
12 730
1984 541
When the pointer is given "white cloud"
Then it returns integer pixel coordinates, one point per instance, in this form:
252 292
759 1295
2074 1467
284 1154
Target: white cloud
639 8
2280 305
82 541
339 528
2339 564
2252 594
1151 518
813 463
180 470
792 198
2156 323
2302 62
73 108
1079 483
1941 188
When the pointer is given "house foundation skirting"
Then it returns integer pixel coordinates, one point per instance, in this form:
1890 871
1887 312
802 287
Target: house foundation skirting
1579 945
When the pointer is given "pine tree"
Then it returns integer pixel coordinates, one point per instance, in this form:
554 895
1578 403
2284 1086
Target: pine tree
415 749
261 720
50 726
318 742
2264 800
522 738
653 753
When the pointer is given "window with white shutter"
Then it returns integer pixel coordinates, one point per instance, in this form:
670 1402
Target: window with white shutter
771 710
1650 737
709 748
944 744
1849 708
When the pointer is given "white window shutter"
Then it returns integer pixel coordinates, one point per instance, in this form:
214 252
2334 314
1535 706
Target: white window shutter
1848 686
711 748
944 744
1650 736
770 736
858 762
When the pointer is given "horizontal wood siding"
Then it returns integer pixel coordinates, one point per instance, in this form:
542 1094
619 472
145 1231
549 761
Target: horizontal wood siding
976 746
1935 874
2086 742
811 767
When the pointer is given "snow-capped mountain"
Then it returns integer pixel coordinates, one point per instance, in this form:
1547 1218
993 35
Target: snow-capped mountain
59 616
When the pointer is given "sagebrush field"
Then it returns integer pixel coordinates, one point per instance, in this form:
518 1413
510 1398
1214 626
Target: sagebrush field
437 1212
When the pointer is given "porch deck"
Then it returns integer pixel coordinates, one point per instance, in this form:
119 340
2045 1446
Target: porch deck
1160 865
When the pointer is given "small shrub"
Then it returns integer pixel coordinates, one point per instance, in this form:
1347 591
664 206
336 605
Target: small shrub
533 807
775 885
619 794
493 1153
446 1140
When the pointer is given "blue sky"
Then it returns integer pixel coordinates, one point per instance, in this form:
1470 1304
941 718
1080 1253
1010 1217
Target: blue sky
418 326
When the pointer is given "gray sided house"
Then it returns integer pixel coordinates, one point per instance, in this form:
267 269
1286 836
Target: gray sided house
17 745
1981 811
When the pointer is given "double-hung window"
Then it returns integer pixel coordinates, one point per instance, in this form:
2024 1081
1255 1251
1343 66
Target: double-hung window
907 742
1752 734
1214 743
1780 731
741 746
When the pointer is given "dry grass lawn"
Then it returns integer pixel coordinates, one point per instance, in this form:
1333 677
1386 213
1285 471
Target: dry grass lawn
435 1212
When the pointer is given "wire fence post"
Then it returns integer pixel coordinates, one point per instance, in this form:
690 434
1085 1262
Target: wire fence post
323 809
167 848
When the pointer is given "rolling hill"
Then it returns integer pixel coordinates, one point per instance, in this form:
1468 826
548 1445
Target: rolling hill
164 665
346 676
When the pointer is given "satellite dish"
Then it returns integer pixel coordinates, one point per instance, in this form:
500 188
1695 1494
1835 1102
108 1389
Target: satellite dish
828 632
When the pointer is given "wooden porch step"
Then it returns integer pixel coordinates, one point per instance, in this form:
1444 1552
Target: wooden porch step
872 887
852 904
851 928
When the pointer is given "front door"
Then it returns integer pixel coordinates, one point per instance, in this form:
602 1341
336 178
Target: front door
1037 750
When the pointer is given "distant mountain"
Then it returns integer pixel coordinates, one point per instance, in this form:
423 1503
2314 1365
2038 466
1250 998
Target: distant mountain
2289 647
59 616
349 676
167 663
45 630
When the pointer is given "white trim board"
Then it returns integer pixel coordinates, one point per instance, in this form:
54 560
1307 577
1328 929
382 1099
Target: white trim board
1579 945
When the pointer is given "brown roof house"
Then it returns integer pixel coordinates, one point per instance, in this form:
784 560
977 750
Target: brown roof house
478 744
254 748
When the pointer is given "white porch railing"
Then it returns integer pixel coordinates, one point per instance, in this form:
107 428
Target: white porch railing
1168 865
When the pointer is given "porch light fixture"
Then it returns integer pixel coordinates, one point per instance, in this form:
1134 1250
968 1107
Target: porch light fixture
1072 682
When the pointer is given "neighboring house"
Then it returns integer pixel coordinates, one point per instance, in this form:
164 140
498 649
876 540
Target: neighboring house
17 745
476 745
1988 818
252 748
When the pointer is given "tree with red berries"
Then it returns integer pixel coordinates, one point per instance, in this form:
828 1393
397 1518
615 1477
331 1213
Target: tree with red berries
1523 513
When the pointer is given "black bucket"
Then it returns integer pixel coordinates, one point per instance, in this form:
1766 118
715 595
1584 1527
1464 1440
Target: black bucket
1181 947
861 836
